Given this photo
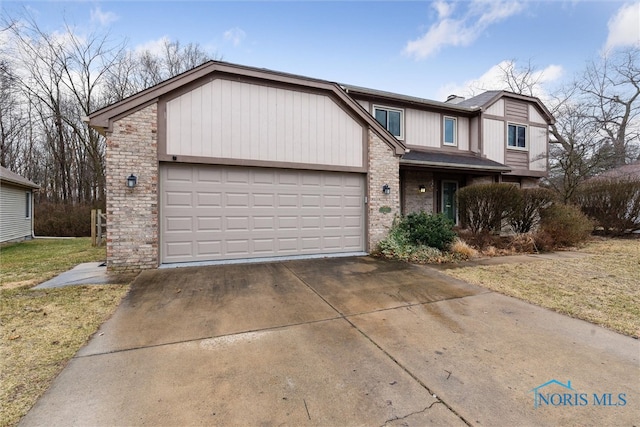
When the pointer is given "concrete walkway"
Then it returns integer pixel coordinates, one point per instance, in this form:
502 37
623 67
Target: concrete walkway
89 273
339 342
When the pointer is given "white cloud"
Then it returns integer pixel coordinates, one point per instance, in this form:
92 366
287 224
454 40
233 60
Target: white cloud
493 79
463 30
102 18
155 47
235 35
624 27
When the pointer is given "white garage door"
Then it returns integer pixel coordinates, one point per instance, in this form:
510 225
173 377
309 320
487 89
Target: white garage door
226 212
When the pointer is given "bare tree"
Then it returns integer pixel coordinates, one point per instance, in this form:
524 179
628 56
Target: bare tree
611 89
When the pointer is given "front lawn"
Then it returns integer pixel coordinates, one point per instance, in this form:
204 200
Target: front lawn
40 330
602 288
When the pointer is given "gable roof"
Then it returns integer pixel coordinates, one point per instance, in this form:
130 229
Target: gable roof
6 176
102 119
488 98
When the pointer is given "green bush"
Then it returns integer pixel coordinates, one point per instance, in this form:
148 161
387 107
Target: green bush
613 203
566 225
435 231
483 207
411 238
523 215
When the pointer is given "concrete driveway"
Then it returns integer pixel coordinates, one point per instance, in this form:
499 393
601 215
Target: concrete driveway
339 342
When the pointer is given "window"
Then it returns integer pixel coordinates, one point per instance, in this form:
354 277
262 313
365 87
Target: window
27 210
450 131
391 119
517 136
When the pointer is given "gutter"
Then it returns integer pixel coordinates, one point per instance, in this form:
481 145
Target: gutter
442 165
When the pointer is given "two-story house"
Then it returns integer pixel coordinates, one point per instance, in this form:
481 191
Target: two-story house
228 162
496 136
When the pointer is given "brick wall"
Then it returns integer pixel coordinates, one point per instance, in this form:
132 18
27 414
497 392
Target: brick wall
413 199
384 168
132 214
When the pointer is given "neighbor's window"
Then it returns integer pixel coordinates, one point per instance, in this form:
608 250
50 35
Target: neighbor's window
391 119
450 131
517 136
27 209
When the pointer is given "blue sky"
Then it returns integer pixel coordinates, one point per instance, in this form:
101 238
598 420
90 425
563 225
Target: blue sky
425 49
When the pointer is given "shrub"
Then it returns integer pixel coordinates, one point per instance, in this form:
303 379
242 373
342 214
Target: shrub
62 220
435 231
483 207
524 212
461 248
565 224
613 203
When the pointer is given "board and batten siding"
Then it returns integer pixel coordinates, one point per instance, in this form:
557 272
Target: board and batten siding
463 133
14 224
538 148
245 121
535 116
493 137
496 109
422 128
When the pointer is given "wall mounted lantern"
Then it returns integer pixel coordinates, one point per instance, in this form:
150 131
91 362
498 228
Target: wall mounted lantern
132 181
386 189
422 189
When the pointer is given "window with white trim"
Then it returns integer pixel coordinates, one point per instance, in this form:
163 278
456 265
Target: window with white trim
450 131
27 210
391 118
516 136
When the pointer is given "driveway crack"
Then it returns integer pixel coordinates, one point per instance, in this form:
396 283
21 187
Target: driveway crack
396 418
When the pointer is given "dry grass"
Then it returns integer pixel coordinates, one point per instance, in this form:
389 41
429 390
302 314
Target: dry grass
40 330
602 287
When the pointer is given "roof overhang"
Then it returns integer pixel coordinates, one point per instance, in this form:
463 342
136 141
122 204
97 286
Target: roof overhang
450 161
102 120
8 177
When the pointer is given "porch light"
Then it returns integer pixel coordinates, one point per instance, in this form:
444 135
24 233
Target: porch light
423 189
132 181
386 189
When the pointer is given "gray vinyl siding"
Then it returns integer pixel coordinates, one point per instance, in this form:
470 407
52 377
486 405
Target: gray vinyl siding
515 110
14 225
244 121
517 159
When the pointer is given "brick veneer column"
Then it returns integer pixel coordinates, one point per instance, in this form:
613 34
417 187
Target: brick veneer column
384 168
132 214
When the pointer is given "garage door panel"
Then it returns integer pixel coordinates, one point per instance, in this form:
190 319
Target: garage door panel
178 224
225 212
209 199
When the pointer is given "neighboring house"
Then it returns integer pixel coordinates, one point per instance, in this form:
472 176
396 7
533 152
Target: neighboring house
16 206
630 171
234 162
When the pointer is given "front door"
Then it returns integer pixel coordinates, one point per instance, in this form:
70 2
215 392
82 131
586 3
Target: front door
449 208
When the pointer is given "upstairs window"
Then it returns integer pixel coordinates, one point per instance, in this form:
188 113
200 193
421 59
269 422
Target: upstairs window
391 119
517 136
450 131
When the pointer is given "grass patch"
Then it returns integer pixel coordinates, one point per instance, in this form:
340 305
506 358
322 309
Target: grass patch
601 288
35 261
40 330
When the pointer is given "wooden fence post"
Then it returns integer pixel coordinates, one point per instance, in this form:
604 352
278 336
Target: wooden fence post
93 227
